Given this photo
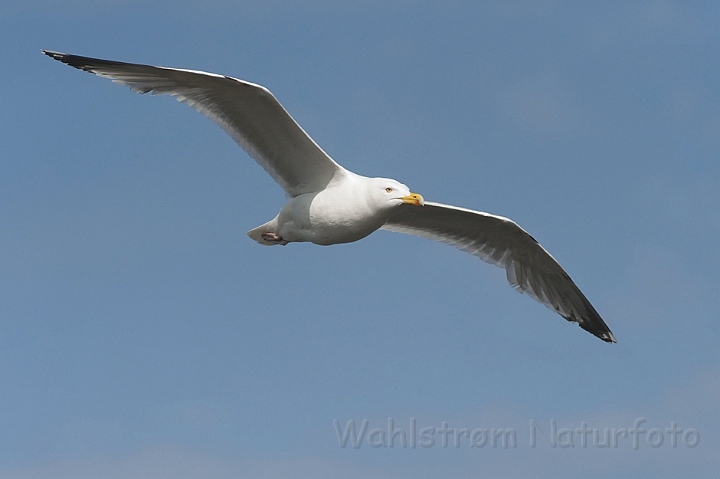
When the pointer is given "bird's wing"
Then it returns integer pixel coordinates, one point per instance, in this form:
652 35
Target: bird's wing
249 113
500 241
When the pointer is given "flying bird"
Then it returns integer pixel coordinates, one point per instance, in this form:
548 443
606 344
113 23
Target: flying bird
328 204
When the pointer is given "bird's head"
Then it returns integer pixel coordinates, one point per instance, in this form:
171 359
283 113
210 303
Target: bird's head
392 193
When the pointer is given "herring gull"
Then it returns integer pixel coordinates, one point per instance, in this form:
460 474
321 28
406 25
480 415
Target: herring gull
328 204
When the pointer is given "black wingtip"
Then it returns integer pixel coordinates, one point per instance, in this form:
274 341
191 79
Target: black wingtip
87 64
606 335
593 324
55 55
72 60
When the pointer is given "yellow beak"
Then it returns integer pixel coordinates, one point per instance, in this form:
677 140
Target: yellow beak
413 199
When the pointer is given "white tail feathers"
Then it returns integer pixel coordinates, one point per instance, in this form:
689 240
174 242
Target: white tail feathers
268 227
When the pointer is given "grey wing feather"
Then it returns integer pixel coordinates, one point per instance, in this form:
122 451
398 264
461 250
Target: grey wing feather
249 113
500 241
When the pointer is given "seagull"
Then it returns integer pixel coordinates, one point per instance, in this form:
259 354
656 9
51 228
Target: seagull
328 204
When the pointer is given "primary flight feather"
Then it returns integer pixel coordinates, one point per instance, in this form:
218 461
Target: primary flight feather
328 204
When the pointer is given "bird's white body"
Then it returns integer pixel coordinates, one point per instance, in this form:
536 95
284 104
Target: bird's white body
328 204
350 208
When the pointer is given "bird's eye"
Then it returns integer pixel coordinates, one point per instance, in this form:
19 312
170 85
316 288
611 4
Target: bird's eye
388 189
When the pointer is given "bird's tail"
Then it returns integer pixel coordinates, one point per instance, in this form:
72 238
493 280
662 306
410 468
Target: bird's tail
257 233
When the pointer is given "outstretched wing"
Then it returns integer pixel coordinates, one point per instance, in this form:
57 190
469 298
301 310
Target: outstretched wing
249 113
500 241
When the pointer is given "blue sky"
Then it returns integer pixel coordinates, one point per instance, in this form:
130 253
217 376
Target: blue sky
142 334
